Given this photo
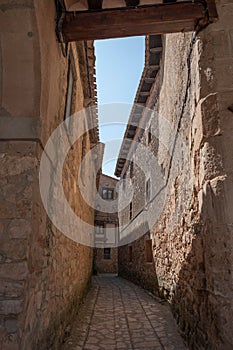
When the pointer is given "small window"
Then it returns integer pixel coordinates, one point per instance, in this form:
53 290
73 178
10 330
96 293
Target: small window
107 253
124 177
99 229
84 145
149 254
69 93
148 192
149 135
130 210
131 169
107 193
130 253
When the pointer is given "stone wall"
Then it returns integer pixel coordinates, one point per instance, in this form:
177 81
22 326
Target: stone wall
103 265
192 240
43 274
135 265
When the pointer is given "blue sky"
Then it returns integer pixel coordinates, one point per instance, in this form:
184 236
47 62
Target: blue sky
119 65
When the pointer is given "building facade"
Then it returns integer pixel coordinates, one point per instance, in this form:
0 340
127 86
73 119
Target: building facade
106 226
136 258
190 212
43 273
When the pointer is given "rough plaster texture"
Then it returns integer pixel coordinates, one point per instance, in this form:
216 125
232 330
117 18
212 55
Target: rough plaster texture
192 240
43 274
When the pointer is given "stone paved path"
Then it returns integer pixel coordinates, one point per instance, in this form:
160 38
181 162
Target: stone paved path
119 315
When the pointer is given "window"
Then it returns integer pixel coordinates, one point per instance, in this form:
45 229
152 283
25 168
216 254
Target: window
107 193
130 253
130 210
131 169
124 177
149 135
83 164
149 254
107 253
148 194
69 93
99 229
84 145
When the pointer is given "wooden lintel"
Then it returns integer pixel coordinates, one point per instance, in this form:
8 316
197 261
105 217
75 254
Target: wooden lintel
154 19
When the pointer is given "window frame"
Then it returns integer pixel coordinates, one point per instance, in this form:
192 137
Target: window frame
108 191
107 255
131 169
149 136
99 229
149 251
148 190
124 178
130 210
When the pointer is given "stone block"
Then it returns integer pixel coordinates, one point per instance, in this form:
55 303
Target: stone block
10 342
11 325
7 210
210 161
22 148
15 271
210 116
14 249
11 289
224 74
19 228
217 44
10 306
13 165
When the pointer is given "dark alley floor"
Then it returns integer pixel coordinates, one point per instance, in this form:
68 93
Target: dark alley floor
117 314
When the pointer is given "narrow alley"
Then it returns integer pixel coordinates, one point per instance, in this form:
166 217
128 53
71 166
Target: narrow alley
117 314
116 174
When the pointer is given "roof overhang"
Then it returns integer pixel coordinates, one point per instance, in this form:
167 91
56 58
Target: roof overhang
97 19
153 52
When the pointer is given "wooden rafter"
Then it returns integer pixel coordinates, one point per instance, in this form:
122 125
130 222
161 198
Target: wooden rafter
130 21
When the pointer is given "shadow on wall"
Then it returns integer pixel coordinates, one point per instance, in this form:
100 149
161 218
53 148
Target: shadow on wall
135 263
198 287
201 301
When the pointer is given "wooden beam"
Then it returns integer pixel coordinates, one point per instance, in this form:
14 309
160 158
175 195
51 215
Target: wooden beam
154 19
145 93
153 67
156 49
149 80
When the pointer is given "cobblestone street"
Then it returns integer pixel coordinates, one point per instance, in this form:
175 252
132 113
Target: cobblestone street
117 314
